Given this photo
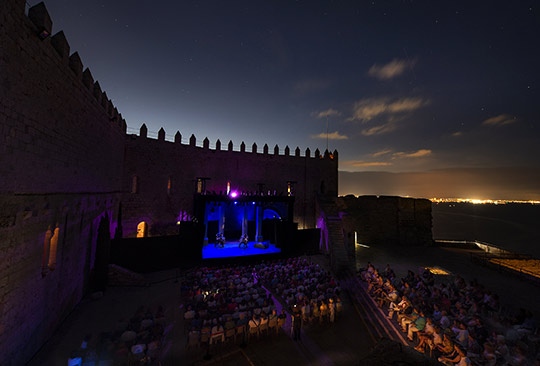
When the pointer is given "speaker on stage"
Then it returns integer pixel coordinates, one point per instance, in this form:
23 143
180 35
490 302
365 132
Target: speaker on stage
261 245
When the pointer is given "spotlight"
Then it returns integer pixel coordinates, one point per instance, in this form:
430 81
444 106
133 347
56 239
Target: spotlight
43 34
234 194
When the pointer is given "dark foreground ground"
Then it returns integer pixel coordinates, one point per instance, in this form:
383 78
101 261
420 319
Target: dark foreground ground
344 343
341 343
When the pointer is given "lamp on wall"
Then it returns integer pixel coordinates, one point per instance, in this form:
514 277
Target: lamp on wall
43 34
39 15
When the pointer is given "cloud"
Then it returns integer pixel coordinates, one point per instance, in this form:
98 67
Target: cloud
381 152
331 136
327 113
457 134
367 109
405 105
360 163
417 154
379 130
390 70
500 120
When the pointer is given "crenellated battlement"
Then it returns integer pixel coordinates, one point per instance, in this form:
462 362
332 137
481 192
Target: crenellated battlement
205 144
52 107
42 26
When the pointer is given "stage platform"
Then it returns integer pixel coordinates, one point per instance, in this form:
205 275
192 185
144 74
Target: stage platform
231 250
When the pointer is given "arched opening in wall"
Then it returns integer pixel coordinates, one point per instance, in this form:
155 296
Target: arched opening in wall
103 253
46 246
271 214
53 248
142 230
323 246
290 191
134 184
323 242
119 232
199 185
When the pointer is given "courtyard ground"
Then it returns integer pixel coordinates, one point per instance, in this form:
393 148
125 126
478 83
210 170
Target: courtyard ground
342 343
347 341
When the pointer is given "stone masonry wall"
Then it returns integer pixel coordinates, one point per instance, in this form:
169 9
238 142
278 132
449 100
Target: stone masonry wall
61 154
386 221
154 162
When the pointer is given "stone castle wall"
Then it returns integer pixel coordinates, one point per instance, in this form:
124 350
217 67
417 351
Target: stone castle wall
155 163
386 220
61 155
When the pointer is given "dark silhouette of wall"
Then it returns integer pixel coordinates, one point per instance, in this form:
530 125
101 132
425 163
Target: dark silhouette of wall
386 220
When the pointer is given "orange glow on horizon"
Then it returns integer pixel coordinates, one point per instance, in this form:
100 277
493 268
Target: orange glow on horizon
477 201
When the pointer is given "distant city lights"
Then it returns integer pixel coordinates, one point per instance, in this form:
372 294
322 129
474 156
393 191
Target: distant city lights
476 201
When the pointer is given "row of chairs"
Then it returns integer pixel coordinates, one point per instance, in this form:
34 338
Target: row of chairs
197 339
271 327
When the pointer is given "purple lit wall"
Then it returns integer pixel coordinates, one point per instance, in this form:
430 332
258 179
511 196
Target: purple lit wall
156 162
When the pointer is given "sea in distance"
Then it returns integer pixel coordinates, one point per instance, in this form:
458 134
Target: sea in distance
512 226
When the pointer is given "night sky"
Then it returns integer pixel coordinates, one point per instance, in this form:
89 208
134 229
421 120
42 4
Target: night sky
406 86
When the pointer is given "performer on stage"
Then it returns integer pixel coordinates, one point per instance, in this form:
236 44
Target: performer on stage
220 240
243 242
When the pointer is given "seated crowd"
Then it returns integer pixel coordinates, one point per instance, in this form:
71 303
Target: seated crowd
459 322
227 302
305 286
137 343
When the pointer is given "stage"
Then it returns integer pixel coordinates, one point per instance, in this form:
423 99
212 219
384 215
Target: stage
231 249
